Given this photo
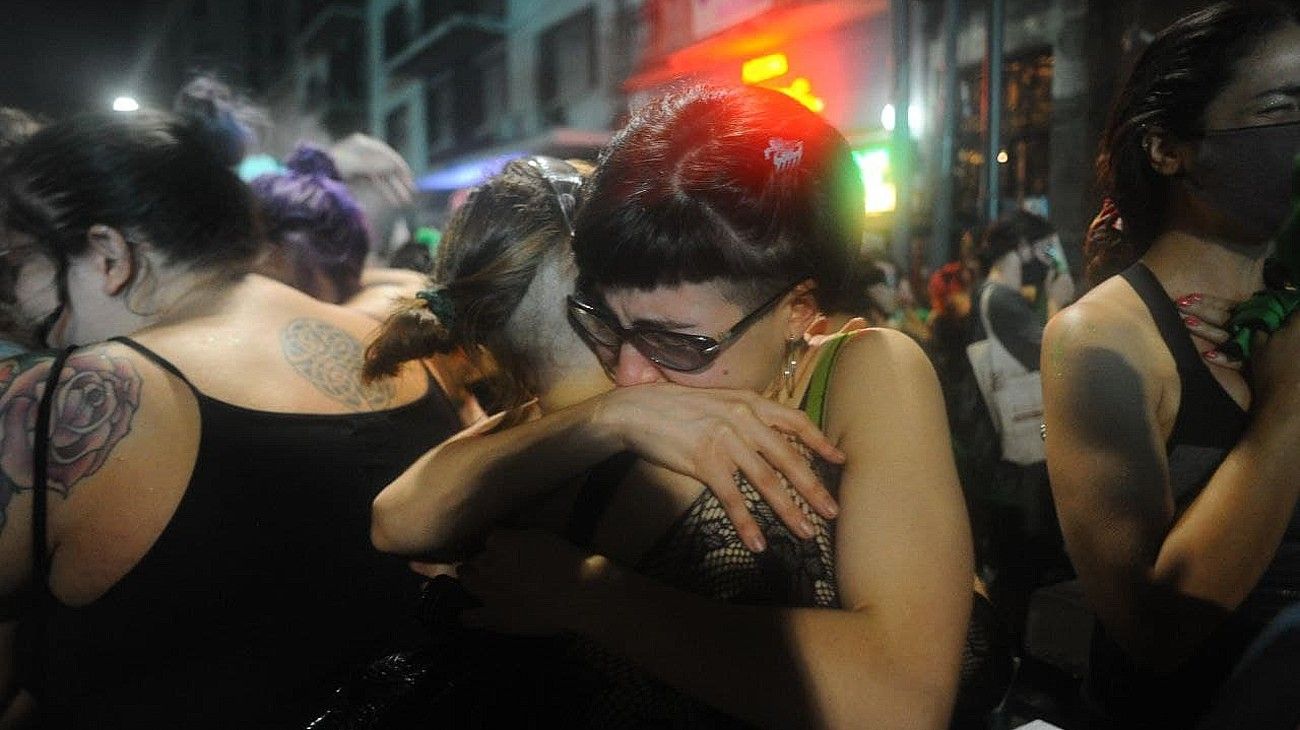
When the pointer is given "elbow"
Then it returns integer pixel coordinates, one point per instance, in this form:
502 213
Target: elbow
1161 627
385 532
393 531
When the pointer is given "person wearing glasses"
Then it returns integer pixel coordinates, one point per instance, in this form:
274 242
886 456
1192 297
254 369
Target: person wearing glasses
711 235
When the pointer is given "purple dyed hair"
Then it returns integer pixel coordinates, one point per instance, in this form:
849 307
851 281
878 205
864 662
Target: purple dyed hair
316 223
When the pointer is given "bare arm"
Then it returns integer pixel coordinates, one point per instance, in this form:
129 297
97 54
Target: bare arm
447 501
888 659
1159 582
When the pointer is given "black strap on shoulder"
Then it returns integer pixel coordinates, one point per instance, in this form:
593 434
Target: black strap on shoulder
1165 314
155 358
1207 415
41 473
594 496
40 509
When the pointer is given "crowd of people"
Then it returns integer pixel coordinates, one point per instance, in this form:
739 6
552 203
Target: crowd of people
645 441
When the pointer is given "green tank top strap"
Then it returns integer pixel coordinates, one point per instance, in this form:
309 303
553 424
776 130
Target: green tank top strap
814 400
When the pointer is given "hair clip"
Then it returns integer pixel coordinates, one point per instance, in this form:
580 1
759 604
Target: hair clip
784 153
437 301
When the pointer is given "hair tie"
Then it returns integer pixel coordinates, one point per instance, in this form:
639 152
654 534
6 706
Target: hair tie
439 304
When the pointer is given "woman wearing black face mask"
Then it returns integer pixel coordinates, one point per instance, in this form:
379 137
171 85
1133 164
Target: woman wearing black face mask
1176 485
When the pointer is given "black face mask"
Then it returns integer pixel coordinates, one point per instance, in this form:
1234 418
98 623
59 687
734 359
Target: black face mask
1033 272
1245 174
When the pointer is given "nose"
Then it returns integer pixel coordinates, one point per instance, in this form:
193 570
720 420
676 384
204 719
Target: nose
633 368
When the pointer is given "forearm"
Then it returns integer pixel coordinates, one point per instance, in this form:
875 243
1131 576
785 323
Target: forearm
788 668
450 497
1229 534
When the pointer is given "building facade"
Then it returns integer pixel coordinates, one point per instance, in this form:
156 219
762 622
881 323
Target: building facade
457 86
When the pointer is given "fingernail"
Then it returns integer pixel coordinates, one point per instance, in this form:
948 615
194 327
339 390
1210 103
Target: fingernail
1213 355
807 530
1190 299
830 510
757 543
1191 321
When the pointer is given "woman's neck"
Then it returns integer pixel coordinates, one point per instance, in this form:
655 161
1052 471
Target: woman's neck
559 387
1187 263
190 295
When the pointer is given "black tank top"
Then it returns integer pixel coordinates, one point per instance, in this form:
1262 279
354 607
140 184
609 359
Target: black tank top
1208 425
263 589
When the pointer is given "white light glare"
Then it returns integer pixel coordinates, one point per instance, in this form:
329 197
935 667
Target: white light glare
125 104
915 118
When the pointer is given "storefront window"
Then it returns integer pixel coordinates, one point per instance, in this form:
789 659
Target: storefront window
1026 131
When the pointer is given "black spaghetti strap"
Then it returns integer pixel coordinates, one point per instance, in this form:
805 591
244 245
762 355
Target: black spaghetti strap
40 507
1206 412
1165 313
593 497
155 358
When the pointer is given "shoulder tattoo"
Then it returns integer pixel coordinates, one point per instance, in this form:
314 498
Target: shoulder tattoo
331 359
94 405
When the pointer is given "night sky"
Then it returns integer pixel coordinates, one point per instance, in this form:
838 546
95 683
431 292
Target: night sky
58 57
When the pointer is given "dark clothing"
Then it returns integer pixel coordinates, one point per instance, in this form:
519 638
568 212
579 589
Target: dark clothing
1209 424
700 553
263 590
1263 693
1024 550
1014 321
974 437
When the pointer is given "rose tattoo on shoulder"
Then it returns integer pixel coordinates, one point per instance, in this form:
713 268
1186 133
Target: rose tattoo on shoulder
94 403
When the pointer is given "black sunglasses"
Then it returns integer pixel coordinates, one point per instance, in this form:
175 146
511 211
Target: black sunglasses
677 351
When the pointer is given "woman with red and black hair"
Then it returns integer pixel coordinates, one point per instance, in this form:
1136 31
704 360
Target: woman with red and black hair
714 230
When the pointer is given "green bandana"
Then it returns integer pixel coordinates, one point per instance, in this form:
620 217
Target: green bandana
1268 310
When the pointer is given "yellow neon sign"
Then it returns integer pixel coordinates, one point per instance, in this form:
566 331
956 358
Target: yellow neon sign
756 71
764 68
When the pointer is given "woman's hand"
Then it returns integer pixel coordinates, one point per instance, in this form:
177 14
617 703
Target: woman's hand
711 435
530 582
1207 317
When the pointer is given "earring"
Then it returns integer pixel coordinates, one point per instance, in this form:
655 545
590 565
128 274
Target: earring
792 353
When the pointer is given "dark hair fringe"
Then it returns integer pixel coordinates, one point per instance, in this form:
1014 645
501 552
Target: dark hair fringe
689 191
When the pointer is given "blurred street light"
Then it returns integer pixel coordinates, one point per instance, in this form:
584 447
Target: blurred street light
915 118
125 104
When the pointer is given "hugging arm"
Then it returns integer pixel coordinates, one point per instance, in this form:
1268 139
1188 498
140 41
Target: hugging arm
889 658
1160 582
445 503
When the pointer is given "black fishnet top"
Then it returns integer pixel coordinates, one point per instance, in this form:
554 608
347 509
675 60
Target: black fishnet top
702 553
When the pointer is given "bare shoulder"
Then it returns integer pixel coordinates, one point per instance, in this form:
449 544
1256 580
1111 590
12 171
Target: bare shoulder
877 360
881 376
1112 313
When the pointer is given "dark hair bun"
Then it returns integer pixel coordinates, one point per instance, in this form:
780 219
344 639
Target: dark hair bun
309 159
